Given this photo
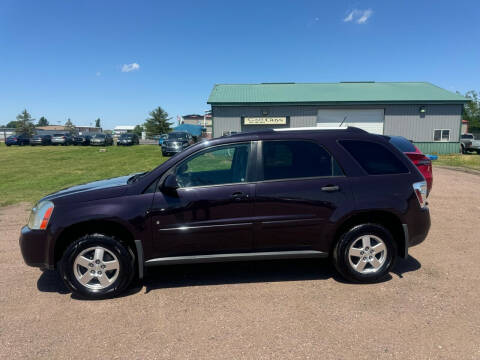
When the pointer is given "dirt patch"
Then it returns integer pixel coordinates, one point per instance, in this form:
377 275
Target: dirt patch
279 309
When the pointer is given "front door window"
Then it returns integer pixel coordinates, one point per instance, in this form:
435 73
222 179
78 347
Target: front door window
217 166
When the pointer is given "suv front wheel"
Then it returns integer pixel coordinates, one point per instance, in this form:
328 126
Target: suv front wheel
366 253
97 266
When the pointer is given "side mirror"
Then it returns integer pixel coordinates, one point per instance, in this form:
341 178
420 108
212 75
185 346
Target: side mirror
170 184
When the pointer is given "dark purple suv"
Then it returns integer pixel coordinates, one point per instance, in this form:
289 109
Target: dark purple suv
343 193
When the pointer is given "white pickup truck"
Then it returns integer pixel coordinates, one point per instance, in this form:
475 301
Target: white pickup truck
469 143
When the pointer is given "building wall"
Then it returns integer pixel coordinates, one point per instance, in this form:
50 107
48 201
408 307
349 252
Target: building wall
404 120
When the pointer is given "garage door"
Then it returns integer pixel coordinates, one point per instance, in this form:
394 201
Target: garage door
370 120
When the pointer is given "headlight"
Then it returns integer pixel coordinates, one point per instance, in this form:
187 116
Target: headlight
40 215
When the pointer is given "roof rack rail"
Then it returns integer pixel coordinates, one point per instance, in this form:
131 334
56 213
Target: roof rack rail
349 128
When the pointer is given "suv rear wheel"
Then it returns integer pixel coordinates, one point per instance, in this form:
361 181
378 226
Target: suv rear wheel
97 266
366 253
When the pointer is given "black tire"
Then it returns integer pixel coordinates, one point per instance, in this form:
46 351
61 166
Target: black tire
126 272
342 261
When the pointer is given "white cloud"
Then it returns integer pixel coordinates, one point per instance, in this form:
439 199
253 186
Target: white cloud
349 16
130 67
359 16
366 14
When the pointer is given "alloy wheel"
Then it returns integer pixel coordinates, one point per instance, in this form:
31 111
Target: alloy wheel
367 254
96 268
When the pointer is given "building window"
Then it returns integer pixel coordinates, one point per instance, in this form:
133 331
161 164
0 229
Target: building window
441 135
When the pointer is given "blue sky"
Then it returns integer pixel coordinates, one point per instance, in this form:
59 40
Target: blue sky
64 59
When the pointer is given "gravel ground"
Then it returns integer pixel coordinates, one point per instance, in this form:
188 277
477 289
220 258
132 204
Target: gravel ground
428 309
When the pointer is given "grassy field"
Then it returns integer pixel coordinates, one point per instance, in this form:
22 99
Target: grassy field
28 173
469 161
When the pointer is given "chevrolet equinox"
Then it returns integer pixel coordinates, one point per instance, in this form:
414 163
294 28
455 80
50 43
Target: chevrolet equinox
274 194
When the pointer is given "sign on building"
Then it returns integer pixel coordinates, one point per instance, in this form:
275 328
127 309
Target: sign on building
265 121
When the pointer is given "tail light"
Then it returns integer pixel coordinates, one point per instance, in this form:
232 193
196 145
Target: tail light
419 159
420 189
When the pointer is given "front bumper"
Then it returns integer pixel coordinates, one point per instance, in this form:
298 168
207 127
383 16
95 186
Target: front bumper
94 143
172 150
34 246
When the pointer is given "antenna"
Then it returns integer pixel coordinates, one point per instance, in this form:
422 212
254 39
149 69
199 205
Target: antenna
345 118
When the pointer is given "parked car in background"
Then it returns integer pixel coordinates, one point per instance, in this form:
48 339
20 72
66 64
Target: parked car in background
128 139
468 143
41 140
423 162
101 140
62 139
176 142
162 138
346 195
17 140
82 140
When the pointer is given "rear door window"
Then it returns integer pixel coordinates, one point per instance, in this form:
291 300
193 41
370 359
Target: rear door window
297 159
374 158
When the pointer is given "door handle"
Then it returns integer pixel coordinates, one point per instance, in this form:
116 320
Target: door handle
330 188
238 196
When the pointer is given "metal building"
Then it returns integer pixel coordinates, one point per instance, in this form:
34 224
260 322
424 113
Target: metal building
422 112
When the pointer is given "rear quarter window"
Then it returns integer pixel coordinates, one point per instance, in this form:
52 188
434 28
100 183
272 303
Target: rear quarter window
402 144
374 158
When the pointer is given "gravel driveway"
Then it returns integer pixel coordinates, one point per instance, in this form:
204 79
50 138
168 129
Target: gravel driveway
429 309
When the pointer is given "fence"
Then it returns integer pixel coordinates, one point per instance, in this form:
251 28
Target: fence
6 132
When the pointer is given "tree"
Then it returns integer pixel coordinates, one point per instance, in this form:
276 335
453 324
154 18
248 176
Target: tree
42 121
158 122
70 127
97 123
12 124
471 111
25 123
138 130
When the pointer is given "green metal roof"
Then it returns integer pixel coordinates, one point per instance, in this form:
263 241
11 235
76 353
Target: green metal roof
331 93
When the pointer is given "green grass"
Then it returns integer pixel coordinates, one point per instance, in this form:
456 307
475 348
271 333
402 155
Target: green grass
29 173
468 161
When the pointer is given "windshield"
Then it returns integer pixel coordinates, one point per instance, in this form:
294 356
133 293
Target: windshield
402 144
100 136
58 134
126 136
177 136
467 136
